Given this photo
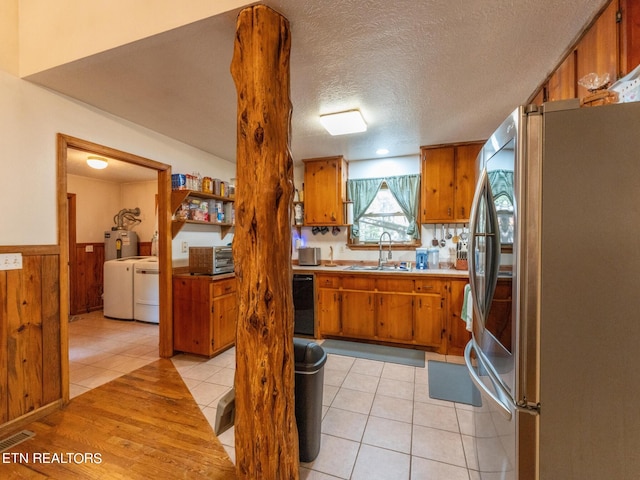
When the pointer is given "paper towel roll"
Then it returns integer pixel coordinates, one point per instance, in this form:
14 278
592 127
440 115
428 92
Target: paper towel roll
349 214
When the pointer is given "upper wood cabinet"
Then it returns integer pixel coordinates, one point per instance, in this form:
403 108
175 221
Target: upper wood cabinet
610 45
597 51
562 84
325 190
448 182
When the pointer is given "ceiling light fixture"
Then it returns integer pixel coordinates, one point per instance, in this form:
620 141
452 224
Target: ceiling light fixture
98 163
382 151
342 123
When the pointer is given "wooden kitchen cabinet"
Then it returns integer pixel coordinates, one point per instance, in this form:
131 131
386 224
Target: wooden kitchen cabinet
357 311
562 84
395 304
597 51
383 308
610 45
224 312
448 182
204 314
457 334
325 191
395 317
328 305
429 314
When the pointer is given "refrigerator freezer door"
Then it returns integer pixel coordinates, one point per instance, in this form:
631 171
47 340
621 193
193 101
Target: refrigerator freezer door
495 424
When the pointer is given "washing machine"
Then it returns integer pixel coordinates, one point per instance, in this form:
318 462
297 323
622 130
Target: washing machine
146 290
117 296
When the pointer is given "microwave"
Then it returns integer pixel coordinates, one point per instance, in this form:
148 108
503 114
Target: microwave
210 260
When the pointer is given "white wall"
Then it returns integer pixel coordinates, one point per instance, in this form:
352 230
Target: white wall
97 202
30 119
140 195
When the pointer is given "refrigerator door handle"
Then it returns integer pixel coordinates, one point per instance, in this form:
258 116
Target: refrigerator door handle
503 406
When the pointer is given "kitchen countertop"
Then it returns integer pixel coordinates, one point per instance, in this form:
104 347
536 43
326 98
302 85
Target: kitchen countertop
343 269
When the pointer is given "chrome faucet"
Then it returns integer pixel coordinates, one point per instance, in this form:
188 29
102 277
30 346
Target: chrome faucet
381 261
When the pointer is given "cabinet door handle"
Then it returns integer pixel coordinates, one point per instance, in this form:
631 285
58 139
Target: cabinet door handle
449 212
462 211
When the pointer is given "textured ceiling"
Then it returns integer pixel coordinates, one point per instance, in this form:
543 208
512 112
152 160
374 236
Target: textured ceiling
422 72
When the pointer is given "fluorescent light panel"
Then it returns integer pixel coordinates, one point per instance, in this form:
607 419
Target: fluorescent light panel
342 123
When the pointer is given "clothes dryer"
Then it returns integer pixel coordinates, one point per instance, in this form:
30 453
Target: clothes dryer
146 290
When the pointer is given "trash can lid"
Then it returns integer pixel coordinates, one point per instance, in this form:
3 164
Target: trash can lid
308 355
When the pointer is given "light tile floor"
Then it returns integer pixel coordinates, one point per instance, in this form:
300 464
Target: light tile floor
378 420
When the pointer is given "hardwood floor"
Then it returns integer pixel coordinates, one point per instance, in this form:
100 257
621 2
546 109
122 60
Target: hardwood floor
142 425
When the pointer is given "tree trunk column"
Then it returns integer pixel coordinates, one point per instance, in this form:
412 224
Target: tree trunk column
266 437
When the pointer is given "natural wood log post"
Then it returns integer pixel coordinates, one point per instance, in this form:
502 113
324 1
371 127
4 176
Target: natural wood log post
266 436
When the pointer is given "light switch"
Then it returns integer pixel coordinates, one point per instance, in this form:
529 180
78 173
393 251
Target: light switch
10 261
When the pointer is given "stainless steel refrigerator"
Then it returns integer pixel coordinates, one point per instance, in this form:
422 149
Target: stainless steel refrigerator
555 276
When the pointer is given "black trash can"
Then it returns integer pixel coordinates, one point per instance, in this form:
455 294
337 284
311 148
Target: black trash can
309 378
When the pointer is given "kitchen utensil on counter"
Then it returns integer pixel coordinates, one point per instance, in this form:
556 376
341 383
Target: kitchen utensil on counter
443 242
464 235
433 258
449 235
435 242
330 264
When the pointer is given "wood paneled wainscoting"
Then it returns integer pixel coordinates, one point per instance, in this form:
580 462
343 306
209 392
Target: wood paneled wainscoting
86 275
32 337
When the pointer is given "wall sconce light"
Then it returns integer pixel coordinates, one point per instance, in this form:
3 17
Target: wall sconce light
342 123
98 163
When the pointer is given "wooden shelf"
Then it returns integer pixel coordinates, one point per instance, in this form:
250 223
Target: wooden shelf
179 196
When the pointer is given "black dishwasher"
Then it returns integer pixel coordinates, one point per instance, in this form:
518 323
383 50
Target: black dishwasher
303 305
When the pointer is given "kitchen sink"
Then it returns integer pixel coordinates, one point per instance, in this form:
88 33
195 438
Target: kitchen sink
375 268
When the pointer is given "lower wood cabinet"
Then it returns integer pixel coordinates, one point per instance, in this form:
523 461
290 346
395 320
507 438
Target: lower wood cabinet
204 314
405 310
457 334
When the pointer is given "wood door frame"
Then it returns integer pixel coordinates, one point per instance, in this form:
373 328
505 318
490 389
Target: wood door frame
64 142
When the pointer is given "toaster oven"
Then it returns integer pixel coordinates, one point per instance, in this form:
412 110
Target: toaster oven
308 256
210 260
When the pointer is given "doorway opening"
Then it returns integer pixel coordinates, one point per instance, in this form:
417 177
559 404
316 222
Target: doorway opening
65 144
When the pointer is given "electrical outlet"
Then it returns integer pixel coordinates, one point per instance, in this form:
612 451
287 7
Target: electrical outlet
185 247
10 261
